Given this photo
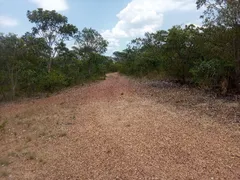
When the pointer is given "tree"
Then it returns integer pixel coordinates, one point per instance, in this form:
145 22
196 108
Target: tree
89 42
35 55
119 56
225 13
179 51
21 63
221 12
11 48
51 26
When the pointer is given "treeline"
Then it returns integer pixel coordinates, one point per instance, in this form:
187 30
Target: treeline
207 56
40 61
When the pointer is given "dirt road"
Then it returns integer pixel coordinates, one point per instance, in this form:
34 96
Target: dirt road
112 130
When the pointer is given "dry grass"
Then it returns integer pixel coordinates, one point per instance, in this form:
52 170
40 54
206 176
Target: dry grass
4 174
121 129
4 162
221 109
3 125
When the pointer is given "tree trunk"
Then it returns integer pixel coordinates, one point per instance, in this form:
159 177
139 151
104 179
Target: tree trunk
13 85
13 92
237 56
89 67
49 66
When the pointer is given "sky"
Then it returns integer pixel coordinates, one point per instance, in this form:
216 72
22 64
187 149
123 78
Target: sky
118 21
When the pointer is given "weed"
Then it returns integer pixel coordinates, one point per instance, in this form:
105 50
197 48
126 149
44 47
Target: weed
19 123
3 174
3 125
63 134
41 134
28 139
30 155
28 124
4 162
42 161
13 154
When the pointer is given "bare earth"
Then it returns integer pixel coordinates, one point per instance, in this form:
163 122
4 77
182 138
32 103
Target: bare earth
120 129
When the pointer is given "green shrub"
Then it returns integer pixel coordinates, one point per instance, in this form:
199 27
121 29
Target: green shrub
52 81
210 73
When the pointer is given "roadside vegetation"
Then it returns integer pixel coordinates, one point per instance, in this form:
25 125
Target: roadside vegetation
40 61
122 128
206 56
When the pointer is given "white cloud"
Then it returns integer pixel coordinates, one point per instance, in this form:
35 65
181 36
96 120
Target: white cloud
58 5
113 43
6 21
197 23
142 16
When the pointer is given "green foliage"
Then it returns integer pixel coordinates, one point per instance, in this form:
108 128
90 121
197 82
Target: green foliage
52 81
210 73
206 56
89 47
203 56
51 26
23 60
90 41
223 13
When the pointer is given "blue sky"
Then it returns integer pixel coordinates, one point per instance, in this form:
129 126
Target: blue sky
118 21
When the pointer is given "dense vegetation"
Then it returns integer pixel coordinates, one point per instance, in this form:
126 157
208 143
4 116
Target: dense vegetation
207 56
40 61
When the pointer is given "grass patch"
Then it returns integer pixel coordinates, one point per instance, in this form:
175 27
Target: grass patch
4 162
4 174
30 155
3 125
13 154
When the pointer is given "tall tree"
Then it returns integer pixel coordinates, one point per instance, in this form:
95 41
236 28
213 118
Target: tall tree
119 56
20 62
89 42
51 26
225 13
11 48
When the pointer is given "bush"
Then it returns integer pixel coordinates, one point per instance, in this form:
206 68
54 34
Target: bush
52 81
211 73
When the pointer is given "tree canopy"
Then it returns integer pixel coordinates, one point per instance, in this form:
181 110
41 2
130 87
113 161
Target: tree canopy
206 56
90 41
23 60
51 26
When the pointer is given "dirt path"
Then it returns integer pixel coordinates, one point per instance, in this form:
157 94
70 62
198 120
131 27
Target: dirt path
110 130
